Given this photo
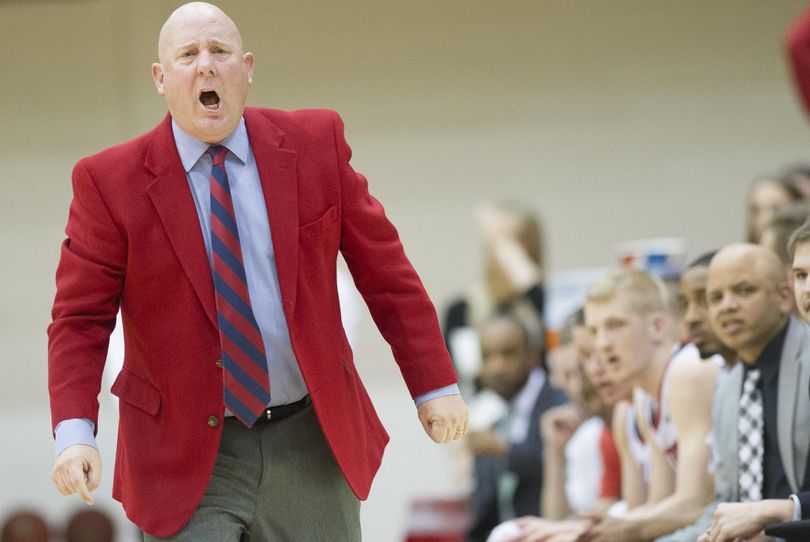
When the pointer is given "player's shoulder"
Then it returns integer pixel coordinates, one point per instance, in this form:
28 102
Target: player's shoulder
691 376
687 365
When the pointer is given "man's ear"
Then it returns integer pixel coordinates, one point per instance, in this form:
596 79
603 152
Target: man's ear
786 298
157 76
248 58
657 326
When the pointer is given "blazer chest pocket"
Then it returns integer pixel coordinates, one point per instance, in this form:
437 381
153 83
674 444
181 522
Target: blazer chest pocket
137 392
318 226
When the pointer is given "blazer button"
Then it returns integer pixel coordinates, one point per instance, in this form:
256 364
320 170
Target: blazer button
213 421
219 363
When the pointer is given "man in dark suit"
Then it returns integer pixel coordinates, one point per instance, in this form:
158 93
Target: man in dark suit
763 400
508 468
741 520
217 234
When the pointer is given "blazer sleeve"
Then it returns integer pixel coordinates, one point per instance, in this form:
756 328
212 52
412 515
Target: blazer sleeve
804 501
89 279
385 278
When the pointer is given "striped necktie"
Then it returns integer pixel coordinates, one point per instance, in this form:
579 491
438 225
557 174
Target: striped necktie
244 362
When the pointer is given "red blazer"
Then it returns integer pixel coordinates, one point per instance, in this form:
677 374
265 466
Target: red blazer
134 239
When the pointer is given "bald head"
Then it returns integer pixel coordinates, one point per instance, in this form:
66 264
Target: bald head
749 298
198 14
764 259
203 72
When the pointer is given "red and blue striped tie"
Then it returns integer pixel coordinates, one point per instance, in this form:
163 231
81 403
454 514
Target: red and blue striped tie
244 362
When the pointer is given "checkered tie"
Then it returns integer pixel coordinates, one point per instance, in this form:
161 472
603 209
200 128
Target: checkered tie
245 375
751 439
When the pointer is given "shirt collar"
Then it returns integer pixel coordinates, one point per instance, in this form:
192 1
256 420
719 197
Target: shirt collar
190 149
527 395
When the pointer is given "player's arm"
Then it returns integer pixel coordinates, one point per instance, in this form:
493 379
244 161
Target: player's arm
692 384
634 491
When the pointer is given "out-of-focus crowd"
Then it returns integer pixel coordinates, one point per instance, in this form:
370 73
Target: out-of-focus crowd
673 404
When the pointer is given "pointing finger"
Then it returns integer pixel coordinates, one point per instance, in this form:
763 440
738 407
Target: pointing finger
78 480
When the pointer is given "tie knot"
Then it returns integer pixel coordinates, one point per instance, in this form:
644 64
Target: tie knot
217 153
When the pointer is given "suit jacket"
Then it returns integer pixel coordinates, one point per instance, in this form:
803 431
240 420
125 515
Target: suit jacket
792 411
525 460
134 239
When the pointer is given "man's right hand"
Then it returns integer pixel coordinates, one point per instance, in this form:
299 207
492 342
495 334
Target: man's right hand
77 470
558 425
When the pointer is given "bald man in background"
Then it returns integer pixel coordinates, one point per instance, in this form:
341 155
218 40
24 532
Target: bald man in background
750 303
743 520
217 234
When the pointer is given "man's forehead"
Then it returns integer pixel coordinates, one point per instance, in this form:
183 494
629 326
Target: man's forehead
615 308
801 255
191 22
736 272
191 31
581 335
694 278
500 328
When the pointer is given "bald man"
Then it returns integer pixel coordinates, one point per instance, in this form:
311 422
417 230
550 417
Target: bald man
762 409
216 233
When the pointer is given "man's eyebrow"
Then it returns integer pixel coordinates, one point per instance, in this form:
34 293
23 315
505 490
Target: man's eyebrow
742 284
187 45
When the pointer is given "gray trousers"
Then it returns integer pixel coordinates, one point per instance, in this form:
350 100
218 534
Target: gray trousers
279 483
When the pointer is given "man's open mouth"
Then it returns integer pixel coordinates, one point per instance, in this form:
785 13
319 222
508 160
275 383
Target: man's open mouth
209 99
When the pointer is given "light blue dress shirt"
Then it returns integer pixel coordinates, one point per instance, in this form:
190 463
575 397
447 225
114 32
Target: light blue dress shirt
286 382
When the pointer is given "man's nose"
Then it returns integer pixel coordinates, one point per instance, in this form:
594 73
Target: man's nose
595 364
728 303
205 64
601 340
692 316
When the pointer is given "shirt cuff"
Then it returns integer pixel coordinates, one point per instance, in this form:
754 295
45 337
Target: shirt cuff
452 389
74 431
797 507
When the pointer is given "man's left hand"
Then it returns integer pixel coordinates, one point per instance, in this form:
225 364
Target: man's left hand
444 418
745 521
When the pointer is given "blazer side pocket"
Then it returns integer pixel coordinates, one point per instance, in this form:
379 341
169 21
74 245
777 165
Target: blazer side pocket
136 391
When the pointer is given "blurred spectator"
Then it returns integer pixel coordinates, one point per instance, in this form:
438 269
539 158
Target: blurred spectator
779 228
697 327
24 526
513 271
508 455
799 248
799 176
766 196
90 526
607 490
571 433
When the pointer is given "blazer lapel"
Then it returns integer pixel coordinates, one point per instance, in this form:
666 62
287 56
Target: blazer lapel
796 346
278 173
787 400
726 439
171 196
